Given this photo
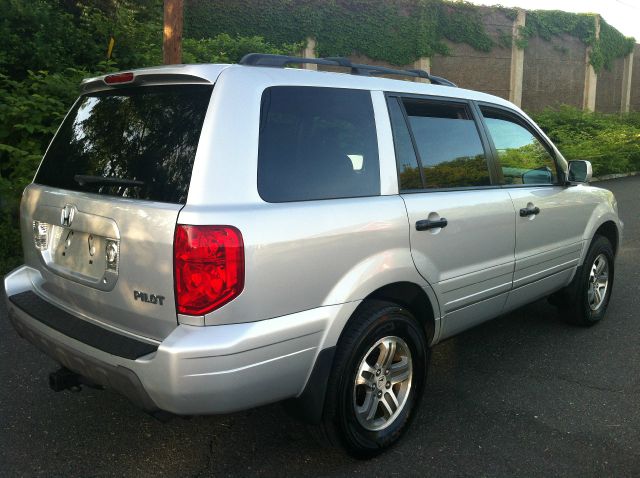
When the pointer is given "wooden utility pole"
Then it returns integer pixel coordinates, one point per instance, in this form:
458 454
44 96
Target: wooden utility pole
172 32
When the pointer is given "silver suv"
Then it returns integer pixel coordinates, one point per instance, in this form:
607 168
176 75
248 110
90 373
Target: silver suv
210 238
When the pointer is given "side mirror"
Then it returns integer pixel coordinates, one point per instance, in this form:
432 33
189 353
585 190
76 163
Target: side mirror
580 171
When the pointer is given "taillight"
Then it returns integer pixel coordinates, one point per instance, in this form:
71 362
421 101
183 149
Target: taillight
118 78
208 267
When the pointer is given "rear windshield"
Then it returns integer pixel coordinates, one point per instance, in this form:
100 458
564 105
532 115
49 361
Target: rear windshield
137 142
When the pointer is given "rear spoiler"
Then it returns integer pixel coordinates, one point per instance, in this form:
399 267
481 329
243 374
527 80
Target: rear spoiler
175 74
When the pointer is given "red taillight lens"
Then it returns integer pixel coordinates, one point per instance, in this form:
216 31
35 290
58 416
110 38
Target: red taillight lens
208 267
118 78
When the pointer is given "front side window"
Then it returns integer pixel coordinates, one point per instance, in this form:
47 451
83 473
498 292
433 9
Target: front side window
317 143
523 158
448 144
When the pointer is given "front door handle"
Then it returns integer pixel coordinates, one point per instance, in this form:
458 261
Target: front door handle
526 211
425 224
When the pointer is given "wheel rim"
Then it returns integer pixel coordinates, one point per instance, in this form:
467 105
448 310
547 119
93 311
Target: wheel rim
598 282
382 384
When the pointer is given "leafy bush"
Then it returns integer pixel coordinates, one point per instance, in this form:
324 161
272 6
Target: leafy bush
54 35
610 141
226 49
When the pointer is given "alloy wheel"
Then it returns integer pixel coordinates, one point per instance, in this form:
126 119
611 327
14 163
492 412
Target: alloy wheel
382 383
598 282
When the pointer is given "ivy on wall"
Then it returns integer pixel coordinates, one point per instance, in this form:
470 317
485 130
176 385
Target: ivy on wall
611 45
396 31
550 24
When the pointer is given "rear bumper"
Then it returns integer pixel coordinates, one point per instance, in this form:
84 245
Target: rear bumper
112 376
195 370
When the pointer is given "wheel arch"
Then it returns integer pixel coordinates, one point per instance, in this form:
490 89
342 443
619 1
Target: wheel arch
609 230
603 220
309 405
413 298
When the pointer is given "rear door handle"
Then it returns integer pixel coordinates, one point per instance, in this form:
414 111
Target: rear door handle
425 224
525 211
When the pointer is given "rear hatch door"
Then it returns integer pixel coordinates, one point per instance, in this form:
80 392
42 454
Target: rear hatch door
99 220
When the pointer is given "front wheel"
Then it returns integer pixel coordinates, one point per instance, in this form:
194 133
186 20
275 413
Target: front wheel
377 380
587 297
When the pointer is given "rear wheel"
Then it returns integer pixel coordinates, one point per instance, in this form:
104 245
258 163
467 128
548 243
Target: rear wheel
377 379
585 300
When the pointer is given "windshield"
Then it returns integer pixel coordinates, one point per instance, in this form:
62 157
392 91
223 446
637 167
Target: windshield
136 142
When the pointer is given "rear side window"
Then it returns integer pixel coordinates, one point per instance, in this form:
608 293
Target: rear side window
144 134
409 176
448 144
317 143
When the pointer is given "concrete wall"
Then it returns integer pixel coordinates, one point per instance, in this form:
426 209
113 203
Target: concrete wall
477 70
609 89
553 74
635 80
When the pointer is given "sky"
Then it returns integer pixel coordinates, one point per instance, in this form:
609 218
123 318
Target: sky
622 14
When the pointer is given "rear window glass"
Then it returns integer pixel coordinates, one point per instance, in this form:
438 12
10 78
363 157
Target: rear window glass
136 142
317 143
409 175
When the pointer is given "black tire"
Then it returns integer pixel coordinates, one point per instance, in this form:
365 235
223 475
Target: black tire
373 321
574 301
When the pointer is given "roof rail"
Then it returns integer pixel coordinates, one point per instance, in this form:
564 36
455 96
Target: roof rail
280 61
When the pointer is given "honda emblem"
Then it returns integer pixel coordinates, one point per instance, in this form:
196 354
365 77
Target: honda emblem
66 218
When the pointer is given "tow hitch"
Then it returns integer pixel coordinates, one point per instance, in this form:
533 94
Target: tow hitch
65 379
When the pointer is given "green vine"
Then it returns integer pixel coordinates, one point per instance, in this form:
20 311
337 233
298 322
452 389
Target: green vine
550 24
396 31
611 45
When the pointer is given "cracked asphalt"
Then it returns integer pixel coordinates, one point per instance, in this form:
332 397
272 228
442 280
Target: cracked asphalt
522 395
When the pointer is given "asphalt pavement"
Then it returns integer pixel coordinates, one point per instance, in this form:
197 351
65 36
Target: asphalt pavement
522 395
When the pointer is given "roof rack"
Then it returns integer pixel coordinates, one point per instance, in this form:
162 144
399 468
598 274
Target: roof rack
280 61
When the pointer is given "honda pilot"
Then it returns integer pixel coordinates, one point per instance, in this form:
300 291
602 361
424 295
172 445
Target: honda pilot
209 238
